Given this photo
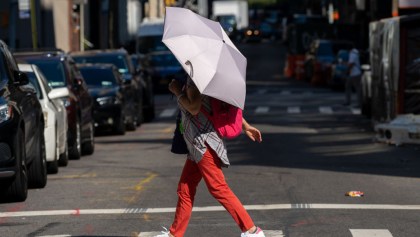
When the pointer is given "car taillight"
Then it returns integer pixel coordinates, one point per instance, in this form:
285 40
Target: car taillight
5 113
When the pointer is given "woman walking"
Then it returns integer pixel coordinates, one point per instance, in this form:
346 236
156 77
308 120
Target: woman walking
206 157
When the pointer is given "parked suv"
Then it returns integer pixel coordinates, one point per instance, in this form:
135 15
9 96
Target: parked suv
61 71
144 96
112 107
22 147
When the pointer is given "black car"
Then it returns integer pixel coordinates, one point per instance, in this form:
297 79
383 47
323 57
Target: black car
61 71
144 97
162 66
22 148
112 108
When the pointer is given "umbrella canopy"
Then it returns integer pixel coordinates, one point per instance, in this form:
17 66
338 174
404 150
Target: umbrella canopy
207 54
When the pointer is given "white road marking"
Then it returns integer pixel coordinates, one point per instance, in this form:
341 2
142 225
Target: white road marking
293 110
77 212
261 92
262 110
356 111
325 110
267 233
54 236
273 233
168 113
149 234
370 233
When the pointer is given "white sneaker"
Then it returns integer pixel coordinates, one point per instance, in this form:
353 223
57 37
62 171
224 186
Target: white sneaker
164 233
258 233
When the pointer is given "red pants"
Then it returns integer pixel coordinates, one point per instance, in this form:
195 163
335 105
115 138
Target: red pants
210 169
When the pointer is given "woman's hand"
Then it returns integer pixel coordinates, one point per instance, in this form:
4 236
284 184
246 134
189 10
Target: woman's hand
253 133
175 87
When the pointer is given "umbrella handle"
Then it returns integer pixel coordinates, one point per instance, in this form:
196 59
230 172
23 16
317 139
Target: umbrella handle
190 64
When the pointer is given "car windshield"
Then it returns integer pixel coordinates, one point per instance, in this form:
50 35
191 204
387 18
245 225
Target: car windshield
53 70
99 77
227 19
118 60
147 44
164 60
34 82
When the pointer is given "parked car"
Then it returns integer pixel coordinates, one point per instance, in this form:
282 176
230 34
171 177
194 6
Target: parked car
252 34
228 23
320 57
112 109
339 70
22 148
61 72
268 31
55 117
144 97
162 66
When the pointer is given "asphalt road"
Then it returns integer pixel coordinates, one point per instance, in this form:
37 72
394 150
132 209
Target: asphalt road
314 151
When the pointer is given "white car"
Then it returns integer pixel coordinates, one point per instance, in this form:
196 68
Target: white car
55 117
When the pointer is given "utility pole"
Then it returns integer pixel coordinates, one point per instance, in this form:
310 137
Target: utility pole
12 23
33 26
82 26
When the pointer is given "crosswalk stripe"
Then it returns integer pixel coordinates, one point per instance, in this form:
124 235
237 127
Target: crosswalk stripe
149 234
356 111
168 113
293 110
262 91
262 109
370 233
54 236
273 233
325 110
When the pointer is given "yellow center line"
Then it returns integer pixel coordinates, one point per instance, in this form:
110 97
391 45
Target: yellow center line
76 176
148 179
140 186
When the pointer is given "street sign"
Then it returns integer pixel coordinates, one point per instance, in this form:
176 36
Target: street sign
24 9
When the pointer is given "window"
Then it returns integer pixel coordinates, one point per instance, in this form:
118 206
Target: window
53 70
99 77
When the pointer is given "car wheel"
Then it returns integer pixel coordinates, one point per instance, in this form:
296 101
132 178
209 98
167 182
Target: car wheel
18 189
89 147
52 166
132 125
64 157
37 171
75 151
119 128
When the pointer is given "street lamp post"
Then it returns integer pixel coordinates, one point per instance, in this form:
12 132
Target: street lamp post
33 26
12 23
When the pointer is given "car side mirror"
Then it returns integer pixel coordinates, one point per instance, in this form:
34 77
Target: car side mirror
58 93
78 81
126 81
21 78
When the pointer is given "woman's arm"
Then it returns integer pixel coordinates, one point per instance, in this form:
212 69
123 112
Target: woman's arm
253 133
190 98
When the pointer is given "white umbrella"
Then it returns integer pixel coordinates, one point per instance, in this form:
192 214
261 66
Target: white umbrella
207 54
